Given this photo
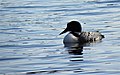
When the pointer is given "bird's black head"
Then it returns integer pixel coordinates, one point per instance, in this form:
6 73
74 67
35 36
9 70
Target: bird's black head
73 26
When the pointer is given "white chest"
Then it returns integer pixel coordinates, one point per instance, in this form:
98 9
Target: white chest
70 38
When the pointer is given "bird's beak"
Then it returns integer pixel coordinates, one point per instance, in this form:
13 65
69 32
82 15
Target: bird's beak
64 31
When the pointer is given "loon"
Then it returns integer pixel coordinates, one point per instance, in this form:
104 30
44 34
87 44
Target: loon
76 35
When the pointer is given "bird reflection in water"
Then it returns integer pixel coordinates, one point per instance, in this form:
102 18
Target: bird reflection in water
76 50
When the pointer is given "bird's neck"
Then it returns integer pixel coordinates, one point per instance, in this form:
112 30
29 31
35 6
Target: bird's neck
77 34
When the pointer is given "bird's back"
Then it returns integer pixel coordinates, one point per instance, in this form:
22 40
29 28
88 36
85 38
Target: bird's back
90 36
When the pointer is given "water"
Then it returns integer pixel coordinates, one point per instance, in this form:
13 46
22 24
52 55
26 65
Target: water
30 42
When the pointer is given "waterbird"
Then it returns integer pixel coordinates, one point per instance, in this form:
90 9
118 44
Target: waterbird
76 35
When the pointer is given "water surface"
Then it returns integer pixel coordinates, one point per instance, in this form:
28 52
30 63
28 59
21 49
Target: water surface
30 42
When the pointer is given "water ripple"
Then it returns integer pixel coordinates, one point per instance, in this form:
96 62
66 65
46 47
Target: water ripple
10 59
26 46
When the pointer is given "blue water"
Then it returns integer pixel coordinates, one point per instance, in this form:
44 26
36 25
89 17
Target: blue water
30 42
